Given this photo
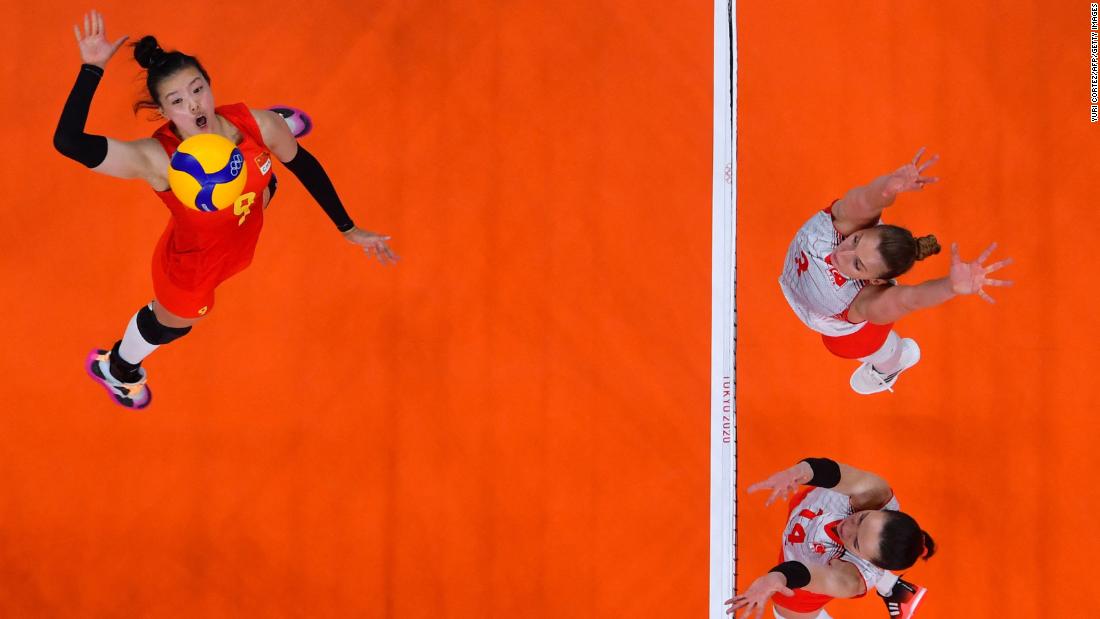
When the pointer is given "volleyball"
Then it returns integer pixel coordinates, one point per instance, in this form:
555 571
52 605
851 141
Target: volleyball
207 172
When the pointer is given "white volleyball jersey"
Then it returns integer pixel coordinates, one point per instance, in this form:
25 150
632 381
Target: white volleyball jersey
815 290
811 537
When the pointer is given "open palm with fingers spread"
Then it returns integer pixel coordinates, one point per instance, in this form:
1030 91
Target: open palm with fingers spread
969 277
908 177
95 49
785 482
755 599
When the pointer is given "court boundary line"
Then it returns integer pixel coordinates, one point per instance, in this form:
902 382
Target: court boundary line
723 361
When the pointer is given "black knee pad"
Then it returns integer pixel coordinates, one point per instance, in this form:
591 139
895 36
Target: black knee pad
154 332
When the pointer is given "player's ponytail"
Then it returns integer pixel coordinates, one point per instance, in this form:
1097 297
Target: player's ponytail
159 66
899 249
929 546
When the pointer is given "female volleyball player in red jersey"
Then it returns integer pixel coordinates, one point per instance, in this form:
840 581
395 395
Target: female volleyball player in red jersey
839 271
843 533
197 250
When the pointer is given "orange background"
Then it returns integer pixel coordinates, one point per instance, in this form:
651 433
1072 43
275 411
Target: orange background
512 422
990 441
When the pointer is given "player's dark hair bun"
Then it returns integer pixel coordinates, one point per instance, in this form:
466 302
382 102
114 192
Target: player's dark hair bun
927 246
147 52
899 249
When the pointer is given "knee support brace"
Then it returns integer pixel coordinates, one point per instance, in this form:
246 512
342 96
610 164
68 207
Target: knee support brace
155 333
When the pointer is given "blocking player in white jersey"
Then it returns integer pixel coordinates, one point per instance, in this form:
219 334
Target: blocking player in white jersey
839 272
844 534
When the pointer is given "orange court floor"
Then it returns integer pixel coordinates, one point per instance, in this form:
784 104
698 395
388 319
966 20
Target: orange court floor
513 421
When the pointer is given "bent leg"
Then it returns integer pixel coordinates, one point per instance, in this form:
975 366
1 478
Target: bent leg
150 328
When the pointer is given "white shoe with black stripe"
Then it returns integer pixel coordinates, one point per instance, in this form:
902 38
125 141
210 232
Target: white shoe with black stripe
867 380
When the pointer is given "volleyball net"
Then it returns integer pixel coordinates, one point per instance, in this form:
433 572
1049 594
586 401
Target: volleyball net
723 383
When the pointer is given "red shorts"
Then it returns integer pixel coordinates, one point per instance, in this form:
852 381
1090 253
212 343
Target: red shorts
802 601
184 283
183 302
862 343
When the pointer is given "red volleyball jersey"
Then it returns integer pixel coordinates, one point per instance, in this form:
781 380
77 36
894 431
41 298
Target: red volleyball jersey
200 250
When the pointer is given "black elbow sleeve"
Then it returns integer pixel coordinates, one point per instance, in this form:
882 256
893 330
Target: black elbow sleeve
89 150
69 139
308 170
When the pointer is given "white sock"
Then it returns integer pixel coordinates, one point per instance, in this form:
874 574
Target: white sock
887 359
134 349
885 584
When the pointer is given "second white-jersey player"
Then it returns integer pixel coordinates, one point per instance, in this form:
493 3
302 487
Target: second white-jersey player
839 272
814 528
843 535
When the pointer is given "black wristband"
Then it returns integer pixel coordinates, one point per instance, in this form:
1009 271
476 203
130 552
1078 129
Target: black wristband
308 170
69 139
798 575
826 472
94 69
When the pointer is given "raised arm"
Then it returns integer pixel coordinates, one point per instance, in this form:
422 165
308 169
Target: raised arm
886 304
305 166
839 579
104 155
862 206
867 490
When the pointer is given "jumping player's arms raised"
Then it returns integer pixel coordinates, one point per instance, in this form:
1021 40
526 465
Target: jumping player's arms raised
862 206
121 159
884 304
838 579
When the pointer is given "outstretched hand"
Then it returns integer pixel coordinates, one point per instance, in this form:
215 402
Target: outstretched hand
908 177
784 482
95 49
969 277
755 599
373 244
